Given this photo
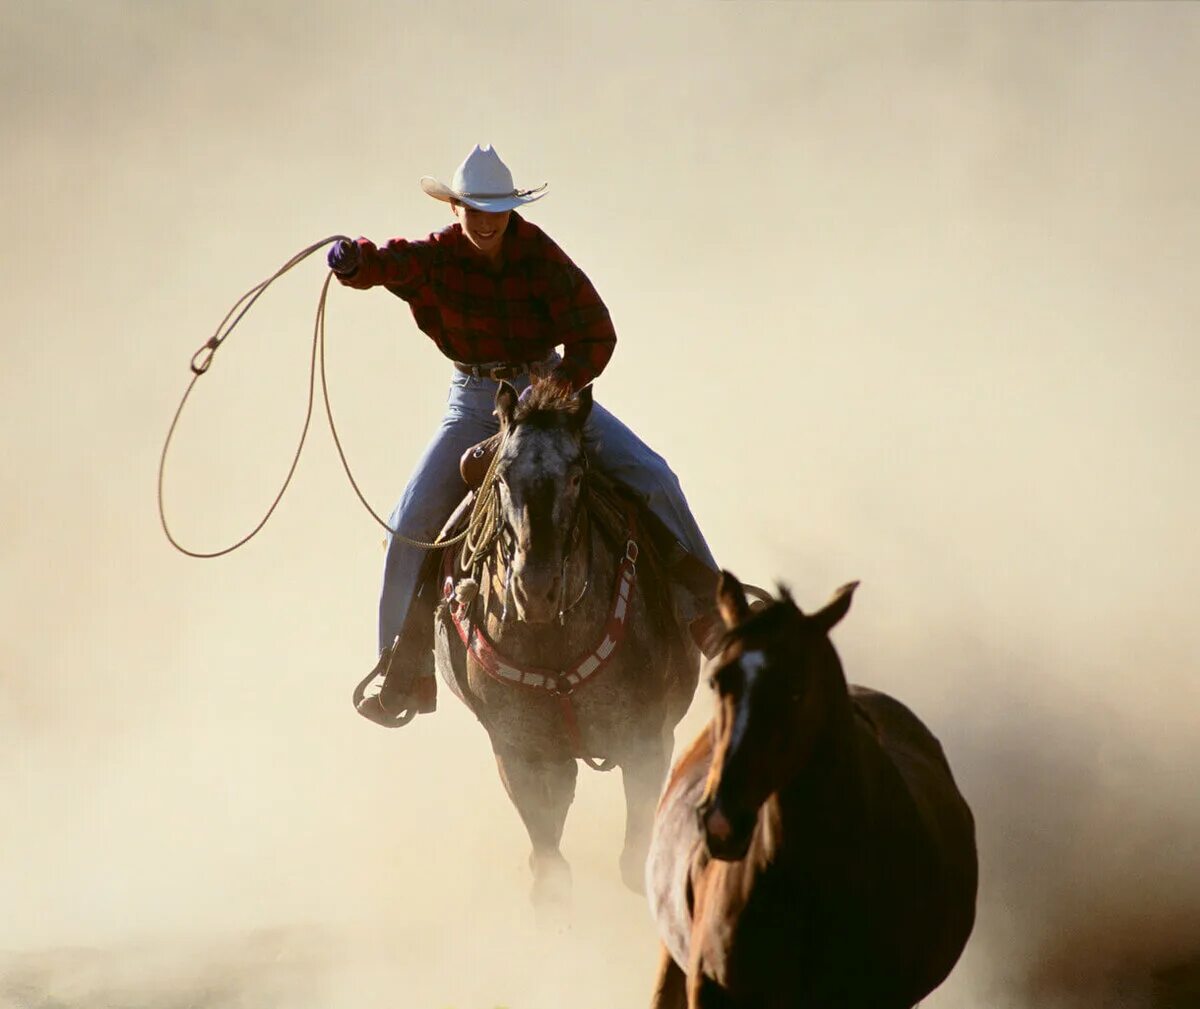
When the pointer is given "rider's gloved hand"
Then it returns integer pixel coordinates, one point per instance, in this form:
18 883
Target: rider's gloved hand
344 257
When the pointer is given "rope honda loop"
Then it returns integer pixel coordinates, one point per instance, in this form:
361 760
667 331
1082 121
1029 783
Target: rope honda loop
202 360
209 349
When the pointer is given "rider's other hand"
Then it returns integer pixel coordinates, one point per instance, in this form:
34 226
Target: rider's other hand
343 257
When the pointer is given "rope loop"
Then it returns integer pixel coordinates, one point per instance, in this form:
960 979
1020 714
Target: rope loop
201 362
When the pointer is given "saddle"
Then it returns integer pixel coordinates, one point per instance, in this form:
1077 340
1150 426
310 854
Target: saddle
475 461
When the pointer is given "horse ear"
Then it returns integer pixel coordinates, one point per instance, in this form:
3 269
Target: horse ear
506 403
731 600
827 618
584 398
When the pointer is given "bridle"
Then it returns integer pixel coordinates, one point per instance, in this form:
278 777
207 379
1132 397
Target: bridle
560 684
577 530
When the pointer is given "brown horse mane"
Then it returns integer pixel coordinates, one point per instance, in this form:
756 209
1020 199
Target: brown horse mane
548 405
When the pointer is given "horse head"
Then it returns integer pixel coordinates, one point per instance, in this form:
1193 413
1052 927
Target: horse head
776 682
539 474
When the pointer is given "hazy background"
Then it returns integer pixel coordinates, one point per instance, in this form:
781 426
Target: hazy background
905 294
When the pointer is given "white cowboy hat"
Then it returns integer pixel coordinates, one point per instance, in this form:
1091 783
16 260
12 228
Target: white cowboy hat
484 182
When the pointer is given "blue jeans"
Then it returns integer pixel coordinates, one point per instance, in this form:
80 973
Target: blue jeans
436 488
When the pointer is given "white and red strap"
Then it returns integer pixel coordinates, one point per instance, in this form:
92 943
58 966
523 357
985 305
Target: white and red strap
586 668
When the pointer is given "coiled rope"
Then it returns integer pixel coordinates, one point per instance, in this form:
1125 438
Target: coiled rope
484 524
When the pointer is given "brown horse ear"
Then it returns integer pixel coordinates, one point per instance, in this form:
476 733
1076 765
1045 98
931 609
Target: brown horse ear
827 618
731 600
506 403
584 399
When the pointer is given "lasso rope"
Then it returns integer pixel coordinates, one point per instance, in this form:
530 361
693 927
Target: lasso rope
202 360
479 539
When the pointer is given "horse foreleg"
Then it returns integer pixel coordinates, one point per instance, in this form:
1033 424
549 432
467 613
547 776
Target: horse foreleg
542 791
670 983
642 774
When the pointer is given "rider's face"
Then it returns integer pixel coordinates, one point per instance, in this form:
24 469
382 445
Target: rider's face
483 229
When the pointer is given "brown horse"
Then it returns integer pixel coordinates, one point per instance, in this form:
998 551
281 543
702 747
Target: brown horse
564 644
811 849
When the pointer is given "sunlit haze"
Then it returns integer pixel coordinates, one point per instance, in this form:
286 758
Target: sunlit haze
904 293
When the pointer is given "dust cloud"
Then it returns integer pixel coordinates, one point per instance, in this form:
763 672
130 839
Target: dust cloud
904 293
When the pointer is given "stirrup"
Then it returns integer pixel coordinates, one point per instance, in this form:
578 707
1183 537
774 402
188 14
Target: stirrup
372 707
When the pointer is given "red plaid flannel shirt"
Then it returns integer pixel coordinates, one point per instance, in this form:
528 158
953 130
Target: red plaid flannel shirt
535 301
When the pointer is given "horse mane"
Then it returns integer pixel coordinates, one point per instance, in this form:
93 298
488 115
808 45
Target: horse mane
548 405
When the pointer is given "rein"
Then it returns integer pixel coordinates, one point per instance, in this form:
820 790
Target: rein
573 535
563 607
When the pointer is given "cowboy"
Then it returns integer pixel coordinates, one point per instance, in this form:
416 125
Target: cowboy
497 296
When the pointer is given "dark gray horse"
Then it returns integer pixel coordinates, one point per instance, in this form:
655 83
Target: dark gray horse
811 849
564 645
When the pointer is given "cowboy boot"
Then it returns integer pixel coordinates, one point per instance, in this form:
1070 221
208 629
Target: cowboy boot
410 684
403 682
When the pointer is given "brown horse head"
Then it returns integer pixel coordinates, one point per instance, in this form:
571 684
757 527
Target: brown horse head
777 680
539 474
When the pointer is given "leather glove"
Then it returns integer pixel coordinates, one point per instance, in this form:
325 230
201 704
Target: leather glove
344 257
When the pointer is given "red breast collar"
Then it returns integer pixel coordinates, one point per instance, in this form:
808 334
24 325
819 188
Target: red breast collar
584 669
